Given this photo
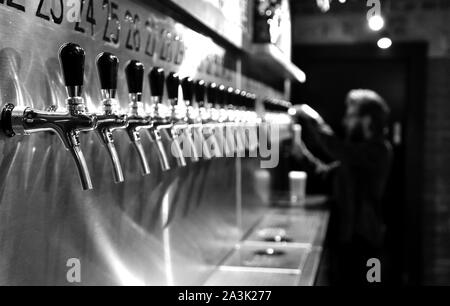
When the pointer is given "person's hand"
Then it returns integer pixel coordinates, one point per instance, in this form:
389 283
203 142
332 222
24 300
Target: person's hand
306 112
323 169
309 115
297 150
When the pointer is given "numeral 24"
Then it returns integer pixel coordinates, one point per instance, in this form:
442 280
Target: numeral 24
90 17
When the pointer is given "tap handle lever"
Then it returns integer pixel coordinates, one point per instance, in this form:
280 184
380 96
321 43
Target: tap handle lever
157 79
243 101
236 98
211 93
135 77
229 96
173 84
108 70
200 89
188 89
72 60
221 95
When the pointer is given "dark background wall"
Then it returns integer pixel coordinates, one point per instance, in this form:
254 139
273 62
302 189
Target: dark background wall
407 21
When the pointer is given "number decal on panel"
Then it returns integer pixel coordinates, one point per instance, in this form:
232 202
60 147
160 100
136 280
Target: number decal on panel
56 18
111 17
13 4
90 18
150 37
134 35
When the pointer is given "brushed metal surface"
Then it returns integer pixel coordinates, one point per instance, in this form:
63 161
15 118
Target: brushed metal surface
298 258
166 228
252 278
228 18
268 257
292 226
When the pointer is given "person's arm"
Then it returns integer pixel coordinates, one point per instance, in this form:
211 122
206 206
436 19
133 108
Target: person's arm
301 153
365 155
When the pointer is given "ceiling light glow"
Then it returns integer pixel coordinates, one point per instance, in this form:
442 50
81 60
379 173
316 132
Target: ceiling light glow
384 43
376 23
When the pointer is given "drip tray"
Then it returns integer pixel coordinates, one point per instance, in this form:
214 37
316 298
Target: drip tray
266 257
252 278
283 228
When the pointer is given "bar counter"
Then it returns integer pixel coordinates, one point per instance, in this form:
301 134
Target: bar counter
284 248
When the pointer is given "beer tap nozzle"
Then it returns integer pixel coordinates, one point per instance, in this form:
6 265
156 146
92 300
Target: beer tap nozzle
212 119
158 117
68 124
187 85
110 119
137 119
177 128
200 94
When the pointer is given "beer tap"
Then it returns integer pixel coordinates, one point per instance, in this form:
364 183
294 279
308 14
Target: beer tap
216 97
245 111
252 119
110 119
178 125
181 113
161 115
233 100
223 119
193 117
137 119
205 116
66 124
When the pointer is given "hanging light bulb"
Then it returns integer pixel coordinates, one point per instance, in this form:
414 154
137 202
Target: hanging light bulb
376 23
324 5
384 43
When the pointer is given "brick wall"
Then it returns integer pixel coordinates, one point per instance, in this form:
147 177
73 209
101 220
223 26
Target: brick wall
418 20
437 174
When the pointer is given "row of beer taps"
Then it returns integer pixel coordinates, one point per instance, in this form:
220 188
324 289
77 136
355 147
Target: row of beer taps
205 114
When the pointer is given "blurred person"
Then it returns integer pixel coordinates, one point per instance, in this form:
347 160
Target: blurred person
360 173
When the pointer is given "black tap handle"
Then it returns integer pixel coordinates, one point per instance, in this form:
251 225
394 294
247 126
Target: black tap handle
72 59
188 89
236 98
251 101
135 76
157 78
229 95
200 88
221 95
173 84
243 99
108 69
211 93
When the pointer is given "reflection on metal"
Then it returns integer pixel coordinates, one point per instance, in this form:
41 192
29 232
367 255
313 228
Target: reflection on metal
166 239
269 55
266 257
224 17
299 228
237 278
293 261
169 227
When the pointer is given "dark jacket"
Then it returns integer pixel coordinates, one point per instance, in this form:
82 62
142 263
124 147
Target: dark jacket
359 186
